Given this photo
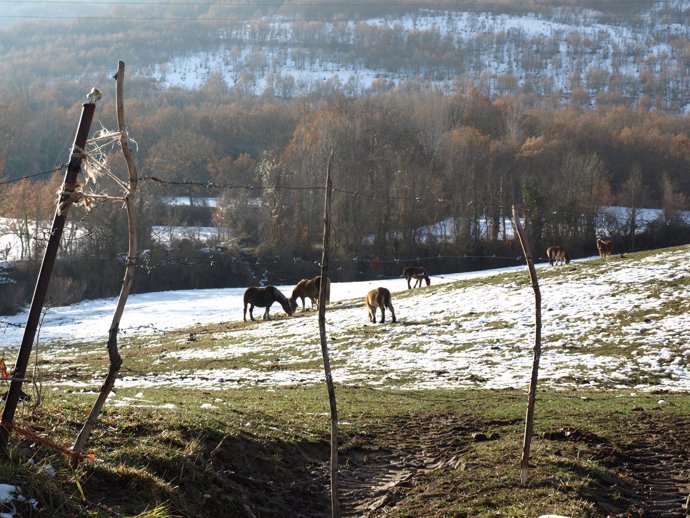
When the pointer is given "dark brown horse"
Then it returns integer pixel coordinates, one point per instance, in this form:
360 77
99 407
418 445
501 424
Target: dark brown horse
309 289
557 255
605 248
264 298
418 273
379 298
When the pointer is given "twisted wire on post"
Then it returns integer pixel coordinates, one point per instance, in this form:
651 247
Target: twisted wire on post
73 194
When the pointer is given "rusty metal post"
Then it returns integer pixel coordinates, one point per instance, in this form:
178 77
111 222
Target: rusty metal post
43 281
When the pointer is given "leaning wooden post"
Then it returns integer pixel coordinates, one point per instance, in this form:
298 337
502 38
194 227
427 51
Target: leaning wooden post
70 193
113 353
324 343
529 419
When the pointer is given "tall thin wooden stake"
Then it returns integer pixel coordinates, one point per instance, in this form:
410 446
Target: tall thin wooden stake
324 343
69 188
529 419
113 353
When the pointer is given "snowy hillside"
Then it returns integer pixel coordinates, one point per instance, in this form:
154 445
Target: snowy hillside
615 323
444 50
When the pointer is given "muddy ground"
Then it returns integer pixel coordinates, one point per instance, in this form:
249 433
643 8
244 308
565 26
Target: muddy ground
392 470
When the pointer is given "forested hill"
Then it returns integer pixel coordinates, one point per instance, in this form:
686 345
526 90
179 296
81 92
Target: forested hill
605 52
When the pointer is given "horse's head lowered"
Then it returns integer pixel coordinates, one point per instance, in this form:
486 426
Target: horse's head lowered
283 301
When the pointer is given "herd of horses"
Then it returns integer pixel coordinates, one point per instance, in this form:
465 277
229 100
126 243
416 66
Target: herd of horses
558 255
376 299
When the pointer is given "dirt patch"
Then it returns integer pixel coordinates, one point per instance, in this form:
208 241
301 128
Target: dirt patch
375 472
651 458
648 461
656 462
376 476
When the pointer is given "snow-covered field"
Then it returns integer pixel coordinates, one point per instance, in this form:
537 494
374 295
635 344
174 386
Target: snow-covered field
622 323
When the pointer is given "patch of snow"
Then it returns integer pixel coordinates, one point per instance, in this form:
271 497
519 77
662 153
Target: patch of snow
9 494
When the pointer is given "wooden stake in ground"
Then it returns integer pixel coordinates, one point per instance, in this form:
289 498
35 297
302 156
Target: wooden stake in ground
529 419
68 196
113 353
324 343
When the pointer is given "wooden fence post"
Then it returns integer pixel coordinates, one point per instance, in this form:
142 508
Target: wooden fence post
68 194
529 418
113 352
324 343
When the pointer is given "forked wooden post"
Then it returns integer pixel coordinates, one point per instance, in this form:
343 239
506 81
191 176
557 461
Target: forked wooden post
529 419
113 352
324 344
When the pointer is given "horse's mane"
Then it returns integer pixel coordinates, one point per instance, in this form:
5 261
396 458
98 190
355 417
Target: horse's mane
282 299
298 287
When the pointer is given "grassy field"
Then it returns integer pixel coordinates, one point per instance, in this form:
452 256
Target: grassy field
255 449
259 452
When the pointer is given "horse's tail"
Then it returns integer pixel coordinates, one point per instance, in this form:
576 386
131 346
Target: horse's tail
386 296
388 302
326 289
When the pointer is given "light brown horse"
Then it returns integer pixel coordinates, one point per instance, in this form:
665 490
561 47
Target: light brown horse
379 298
309 289
557 255
605 248
418 273
264 298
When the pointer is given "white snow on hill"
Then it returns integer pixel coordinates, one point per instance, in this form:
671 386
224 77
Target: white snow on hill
569 42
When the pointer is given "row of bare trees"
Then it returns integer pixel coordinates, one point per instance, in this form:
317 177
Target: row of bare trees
405 163
415 174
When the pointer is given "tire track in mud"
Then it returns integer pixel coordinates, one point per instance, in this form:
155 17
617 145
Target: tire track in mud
653 455
657 461
371 477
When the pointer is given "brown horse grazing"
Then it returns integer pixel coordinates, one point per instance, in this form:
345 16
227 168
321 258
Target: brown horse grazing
309 289
264 298
418 273
379 298
557 255
605 248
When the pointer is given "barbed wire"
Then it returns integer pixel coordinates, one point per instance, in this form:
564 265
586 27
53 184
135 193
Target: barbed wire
340 264
369 193
30 176
316 188
4 324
